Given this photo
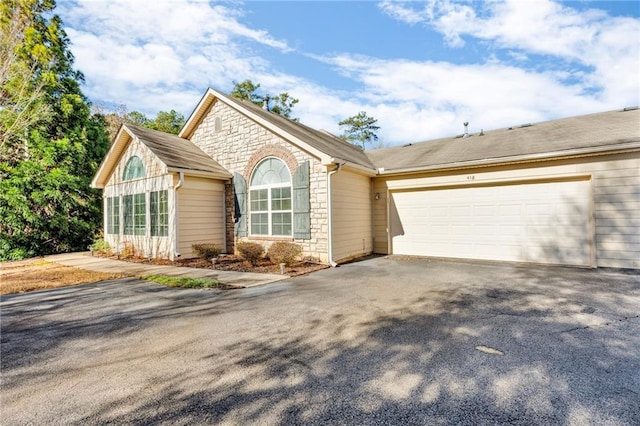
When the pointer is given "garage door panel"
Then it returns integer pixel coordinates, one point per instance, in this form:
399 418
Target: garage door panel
539 222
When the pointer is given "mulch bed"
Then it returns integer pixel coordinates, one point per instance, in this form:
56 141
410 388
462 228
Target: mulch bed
237 264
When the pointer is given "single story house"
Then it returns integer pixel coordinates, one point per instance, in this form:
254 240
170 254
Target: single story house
559 192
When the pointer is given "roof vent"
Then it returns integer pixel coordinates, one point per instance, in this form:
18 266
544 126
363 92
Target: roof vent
466 129
526 125
265 103
632 108
407 144
481 132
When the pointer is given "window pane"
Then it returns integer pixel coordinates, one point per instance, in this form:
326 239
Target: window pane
127 201
139 214
259 200
259 223
270 171
281 224
158 206
164 214
270 203
134 169
116 215
109 215
153 210
113 215
281 198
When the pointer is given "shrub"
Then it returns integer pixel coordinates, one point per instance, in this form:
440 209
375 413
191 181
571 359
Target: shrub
284 252
251 252
128 250
206 251
101 247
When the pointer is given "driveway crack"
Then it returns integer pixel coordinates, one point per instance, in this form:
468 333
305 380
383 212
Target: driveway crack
605 324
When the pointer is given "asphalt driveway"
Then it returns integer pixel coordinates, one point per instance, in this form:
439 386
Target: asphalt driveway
376 342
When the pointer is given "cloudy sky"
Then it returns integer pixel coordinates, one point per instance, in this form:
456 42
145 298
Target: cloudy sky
420 68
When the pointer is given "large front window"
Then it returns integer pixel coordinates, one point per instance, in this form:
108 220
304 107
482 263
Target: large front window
135 214
270 199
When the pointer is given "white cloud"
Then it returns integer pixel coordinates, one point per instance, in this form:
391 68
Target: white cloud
149 54
591 38
162 55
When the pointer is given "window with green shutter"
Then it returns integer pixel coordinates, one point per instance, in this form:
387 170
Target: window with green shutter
270 199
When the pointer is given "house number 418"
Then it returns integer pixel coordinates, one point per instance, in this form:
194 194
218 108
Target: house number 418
471 177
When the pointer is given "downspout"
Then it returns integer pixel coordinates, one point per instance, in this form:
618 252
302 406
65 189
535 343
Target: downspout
175 216
329 215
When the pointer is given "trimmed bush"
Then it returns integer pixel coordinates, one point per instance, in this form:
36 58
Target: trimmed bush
284 252
252 252
206 251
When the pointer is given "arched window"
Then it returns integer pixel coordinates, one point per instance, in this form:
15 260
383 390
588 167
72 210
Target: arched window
134 169
270 198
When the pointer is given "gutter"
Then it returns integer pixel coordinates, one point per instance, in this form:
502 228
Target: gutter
329 210
175 216
532 158
357 167
199 173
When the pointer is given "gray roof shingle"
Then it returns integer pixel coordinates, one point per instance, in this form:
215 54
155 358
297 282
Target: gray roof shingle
322 141
605 129
176 152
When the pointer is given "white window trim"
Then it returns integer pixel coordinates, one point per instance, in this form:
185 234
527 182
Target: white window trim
269 210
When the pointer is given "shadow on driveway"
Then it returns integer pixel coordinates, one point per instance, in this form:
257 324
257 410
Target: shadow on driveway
377 342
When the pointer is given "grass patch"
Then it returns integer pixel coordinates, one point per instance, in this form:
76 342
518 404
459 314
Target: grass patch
38 274
183 282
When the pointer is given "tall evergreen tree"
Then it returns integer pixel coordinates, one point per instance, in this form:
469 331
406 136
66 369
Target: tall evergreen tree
46 204
359 129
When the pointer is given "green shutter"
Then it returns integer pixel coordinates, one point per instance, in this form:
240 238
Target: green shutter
240 202
301 203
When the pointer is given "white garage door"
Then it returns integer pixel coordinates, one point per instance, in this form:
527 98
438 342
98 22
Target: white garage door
536 222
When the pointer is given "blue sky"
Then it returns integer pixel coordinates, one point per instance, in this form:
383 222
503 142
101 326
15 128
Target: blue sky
420 68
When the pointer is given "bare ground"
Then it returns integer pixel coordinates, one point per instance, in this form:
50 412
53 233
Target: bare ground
38 274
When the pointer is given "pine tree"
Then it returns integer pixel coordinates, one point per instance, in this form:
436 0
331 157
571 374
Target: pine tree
46 204
359 129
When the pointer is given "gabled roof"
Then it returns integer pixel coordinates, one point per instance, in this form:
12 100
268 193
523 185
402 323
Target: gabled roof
603 132
176 153
323 145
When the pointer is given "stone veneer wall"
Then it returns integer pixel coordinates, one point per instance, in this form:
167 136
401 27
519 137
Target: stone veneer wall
239 145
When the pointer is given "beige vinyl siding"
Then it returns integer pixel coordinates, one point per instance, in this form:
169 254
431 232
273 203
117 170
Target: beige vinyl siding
155 179
615 198
200 214
351 215
617 211
379 206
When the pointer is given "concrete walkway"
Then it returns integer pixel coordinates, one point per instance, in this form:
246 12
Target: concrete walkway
84 260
